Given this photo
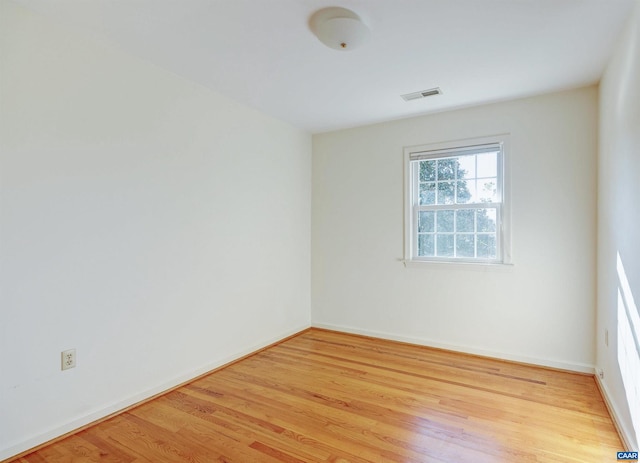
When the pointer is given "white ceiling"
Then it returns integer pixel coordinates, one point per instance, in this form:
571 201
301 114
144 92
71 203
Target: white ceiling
262 53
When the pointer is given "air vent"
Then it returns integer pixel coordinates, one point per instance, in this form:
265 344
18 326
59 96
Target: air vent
421 94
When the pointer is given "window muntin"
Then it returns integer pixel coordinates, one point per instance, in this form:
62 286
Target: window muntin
456 199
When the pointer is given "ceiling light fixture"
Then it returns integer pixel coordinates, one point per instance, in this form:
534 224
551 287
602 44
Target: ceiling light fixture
339 28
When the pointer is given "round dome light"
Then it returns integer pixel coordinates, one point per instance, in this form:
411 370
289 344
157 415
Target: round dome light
339 28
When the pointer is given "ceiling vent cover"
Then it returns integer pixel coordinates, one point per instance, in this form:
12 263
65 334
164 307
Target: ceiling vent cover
421 94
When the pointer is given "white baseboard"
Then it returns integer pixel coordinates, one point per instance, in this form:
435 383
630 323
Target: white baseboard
577 367
103 412
626 434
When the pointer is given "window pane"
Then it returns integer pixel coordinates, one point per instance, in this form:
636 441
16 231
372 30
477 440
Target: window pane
447 169
467 167
444 221
487 246
427 194
465 194
427 171
426 221
425 245
487 190
486 220
465 220
487 165
446 192
464 246
445 245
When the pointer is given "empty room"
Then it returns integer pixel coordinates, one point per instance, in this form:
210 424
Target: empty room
304 231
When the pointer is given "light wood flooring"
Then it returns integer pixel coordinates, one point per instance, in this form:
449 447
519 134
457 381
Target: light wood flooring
330 397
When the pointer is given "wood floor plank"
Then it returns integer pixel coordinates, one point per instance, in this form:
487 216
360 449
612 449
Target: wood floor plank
324 396
398 423
317 421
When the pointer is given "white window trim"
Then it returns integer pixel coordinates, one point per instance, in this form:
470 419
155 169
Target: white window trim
504 232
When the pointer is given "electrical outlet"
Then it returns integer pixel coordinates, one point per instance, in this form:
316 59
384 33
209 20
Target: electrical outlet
600 372
68 359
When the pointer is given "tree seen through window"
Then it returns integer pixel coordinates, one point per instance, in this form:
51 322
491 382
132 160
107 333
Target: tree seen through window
458 231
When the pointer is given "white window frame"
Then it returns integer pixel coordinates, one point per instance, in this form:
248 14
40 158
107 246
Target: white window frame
502 206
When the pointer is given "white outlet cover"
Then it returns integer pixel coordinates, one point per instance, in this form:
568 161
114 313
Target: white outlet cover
68 359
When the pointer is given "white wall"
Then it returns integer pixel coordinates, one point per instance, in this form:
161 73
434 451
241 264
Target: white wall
540 310
619 230
158 228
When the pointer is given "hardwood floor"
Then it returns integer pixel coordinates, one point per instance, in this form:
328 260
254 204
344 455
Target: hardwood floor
332 397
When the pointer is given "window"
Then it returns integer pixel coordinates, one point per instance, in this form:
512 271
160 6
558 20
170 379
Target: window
455 207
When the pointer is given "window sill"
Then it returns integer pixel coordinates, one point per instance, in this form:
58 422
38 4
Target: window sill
456 264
